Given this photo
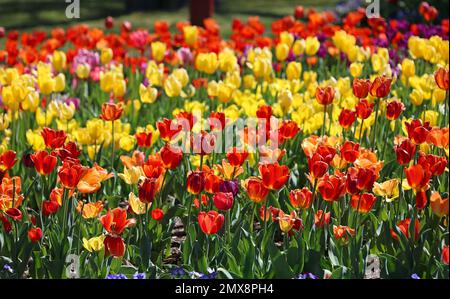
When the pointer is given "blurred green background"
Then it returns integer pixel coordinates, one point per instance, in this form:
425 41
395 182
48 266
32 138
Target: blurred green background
45 14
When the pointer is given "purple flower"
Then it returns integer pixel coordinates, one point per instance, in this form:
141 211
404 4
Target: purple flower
139 276
229 186
116 276
186 55
177 272
306 276
415 276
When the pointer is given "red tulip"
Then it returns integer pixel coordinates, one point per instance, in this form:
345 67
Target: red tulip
157 214
361 88
148 190
418 177
332 188
210 222
171 156
381 87
109 22
435 164
144 139
43 162
7 160
405 152
264 112
421 199
394 109
212 182
347 118
217 121
444 255
236 157
288 130
168 129
70 150
14 213
115 221
203 143
364 109
363 203
299 12
417 131
404 228
49 207
186 120
70 174
350 151
114 246
195 182
53 139
325 96
35 234
360 179
223 200
274 176
317 166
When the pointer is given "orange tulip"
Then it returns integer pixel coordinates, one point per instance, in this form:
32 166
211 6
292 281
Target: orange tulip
361 88
255 189
403 226
236 157
301 198
325 96
438 204
89 210
210 222
137 159
343 233
70 174
111 111
91 181
441 77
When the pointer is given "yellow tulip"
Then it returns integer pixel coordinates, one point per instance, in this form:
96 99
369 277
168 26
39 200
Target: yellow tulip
262 68
60 83
285 100
249 82
416 97
356 69
83 70
287 38
4 121
137 206
408 68
119 88
43 118
430 116
299 47
59 60
182 76
94 244
131 175
227 61
282 52
388 189
224 92
294 70
96 130
158 51
207 62
190 34
312 45
148 94
106 55
127 142
172 86
66 111
35 140
31 102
